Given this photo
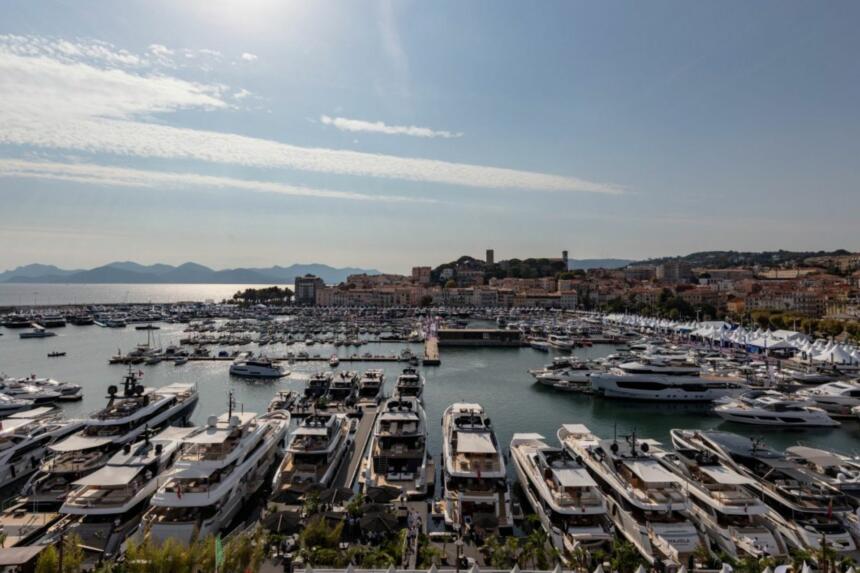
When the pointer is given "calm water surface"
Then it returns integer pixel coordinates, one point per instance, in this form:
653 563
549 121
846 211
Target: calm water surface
48 294
496 378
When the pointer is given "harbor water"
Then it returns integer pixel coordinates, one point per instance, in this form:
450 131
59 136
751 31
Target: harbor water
497 378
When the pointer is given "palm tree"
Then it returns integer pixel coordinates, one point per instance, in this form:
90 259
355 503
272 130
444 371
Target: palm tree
624 557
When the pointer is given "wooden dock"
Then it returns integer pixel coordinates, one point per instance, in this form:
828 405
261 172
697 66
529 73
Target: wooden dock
348 473
431 352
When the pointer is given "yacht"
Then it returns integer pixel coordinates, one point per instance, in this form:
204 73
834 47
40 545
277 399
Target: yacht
318 385
67 391
370 386
23 390
11 405
398 450
127 415
221 465
801 507
409 383
647 503
24 440
283 400
836 398
562 494
314 453
839 471
657 379
769 408
343 389
560 342
334 361
106 506
37 333
476 492
260 367
722 506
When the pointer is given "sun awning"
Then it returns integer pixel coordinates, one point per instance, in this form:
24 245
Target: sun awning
574 477
209 436
725 476
821 458
109 476
475 443
78 442
651 471
196 472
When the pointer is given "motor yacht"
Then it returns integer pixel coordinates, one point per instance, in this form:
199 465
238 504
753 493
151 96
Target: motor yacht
560 342
398 450
25 437
220 466
67 391
801 507
106 506
334 361
646 502
836 398
10 405
314 453
839 471
731 516
769 408
409 383
343 389
476 492
128 414
661 380
260 367
23 390
370 386
318 385
562 494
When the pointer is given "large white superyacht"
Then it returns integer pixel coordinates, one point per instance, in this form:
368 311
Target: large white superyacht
646 502
476 491
220 466
568 502
664 380
398 450
803 509
314 454
25 437
106 506
129 412
729 513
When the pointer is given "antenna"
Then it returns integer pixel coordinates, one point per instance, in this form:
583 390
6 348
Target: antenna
230 404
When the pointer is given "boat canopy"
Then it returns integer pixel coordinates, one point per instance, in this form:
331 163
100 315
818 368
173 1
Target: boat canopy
821 458
574 477
110 476
725 476
78 442
650 471
34 413
475 443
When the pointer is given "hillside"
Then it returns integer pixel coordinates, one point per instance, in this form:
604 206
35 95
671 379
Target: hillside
724 259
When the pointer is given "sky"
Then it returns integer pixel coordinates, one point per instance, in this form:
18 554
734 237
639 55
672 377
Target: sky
387 134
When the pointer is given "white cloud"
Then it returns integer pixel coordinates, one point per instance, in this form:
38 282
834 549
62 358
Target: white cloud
248 57
241 94
124 177
345 124
160 50
52 102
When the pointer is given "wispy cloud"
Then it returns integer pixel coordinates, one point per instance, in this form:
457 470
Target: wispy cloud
89 104
345 124
248 57
125 177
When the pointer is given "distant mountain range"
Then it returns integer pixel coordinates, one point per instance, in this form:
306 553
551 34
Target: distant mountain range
585 264
127 272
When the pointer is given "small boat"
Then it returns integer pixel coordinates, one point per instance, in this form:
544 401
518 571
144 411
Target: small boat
334 361
147 327
56 354
37 333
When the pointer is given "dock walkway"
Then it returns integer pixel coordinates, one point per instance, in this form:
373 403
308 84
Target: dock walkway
349 472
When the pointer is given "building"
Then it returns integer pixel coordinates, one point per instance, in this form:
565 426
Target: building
674 272
306 289
639 273
491 257
421 275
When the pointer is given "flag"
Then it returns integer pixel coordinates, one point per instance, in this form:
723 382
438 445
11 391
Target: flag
219 552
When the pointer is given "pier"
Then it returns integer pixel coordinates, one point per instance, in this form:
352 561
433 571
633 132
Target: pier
431 352
349 472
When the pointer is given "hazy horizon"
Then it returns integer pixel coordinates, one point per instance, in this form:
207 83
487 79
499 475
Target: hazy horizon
391 134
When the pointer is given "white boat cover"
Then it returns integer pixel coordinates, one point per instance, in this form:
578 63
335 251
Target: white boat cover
475 443
34 413
650 471
110 476
821 458
78 442
725 476
574 477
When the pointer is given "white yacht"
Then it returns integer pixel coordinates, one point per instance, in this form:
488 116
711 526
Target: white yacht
67 391
802 508
476 491
660 380
370 386
106 506
646 502
398 450
409 383
260 367
128 414
731 516
560 342
343 389
10 405
769 408
219 467
836 398
314 453
839 471
562 494
23 390
24 440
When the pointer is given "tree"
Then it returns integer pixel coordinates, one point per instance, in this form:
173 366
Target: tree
624 557
426 300
48 561
451 283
